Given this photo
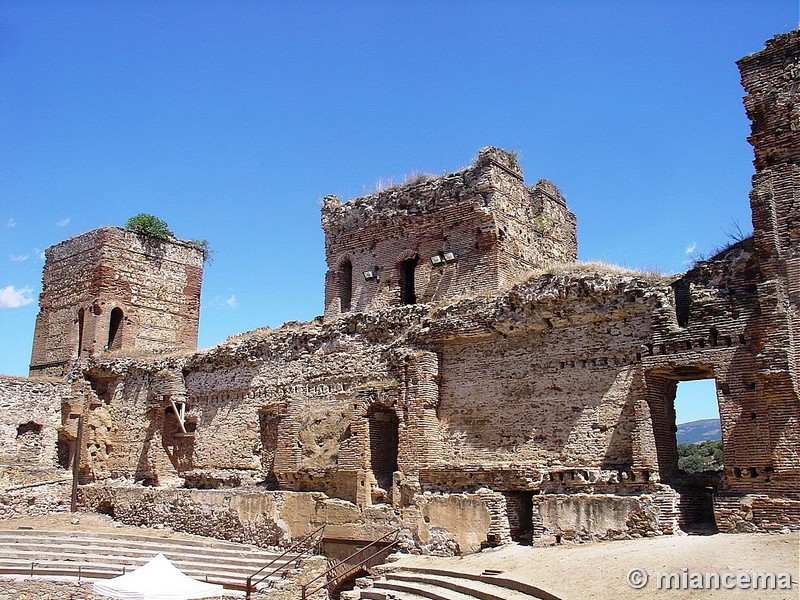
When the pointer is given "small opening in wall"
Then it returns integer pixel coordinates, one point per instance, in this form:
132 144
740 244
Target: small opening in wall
115 329
65 448
29 427
105 507
81 319
346 285
519 508
408 294
683 301
383 443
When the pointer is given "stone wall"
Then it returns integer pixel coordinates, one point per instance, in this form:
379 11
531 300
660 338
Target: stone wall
475 231
313 407
32 482
442 524
113 290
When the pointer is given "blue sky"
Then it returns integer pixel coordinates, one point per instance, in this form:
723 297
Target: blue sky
230 120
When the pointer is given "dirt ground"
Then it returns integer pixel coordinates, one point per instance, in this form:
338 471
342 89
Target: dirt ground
581 571
600 570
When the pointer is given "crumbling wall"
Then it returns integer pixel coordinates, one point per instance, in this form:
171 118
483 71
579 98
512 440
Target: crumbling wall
306 407
770 78
32 482
435 524
474 231
30 417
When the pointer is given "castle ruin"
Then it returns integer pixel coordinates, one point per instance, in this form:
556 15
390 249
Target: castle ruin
469 382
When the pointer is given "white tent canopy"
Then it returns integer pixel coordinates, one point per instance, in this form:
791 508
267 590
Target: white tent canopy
157 580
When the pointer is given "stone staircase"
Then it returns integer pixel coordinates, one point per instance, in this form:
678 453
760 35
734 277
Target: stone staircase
441 584
91 556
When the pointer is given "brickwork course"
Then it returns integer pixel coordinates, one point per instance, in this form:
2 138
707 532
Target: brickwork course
469 382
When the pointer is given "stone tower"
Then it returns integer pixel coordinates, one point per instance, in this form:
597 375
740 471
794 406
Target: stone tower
474 231
112 290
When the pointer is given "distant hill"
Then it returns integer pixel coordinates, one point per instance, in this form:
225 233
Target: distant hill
698 431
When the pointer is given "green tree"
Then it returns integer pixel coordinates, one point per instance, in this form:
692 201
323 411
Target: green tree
692 464
149 225
696 458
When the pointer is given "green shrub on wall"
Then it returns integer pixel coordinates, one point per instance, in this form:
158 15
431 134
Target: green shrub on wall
149 225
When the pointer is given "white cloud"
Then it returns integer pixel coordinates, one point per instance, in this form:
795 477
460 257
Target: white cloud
222 302
690 248
11 297
19 257
11 223
39 253
63 222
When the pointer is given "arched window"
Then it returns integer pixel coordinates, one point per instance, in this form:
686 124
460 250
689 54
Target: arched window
408 294
115 330
81 319
346 285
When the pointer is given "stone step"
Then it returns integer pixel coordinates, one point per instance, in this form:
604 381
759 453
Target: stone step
54 576
232 587
454 581
528 590
118 565
133 540
423 590
373 594
76 551
59 554
444 584
125 557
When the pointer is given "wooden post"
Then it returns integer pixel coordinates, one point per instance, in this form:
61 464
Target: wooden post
76 465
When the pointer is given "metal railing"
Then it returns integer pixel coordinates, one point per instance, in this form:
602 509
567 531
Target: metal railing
90 571
329 581
307 545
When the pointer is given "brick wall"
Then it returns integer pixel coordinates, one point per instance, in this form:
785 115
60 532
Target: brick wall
496 229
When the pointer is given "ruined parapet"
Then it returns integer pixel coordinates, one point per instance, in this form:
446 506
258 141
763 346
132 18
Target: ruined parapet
474 231
117 291
771 78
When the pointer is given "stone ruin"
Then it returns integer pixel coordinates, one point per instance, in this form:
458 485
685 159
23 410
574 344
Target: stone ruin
469 382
